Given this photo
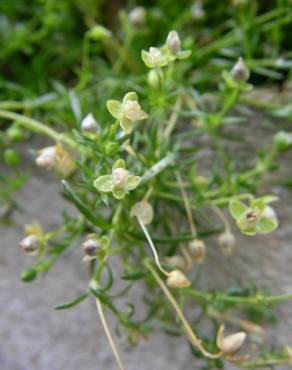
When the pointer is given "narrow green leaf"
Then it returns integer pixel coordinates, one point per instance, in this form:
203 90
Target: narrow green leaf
72 303
73 197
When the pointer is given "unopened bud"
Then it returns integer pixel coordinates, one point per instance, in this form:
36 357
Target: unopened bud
230 344
240 71
153 78
137 16
226 242
173 42
47 157
90 247
89 123
30 244
197 249
120 177
176 262
177 279
144 211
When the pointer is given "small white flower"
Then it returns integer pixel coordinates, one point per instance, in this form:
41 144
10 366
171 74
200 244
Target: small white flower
127 111
226 242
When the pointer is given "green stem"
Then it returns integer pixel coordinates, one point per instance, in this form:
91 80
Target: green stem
37 126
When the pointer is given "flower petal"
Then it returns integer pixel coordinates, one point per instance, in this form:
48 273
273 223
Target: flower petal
143 115
267 225
130 96
115 108
119 193
120 163
237 208
133 182
104 183
126 125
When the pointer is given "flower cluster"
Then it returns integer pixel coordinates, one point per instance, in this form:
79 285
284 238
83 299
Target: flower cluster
169 52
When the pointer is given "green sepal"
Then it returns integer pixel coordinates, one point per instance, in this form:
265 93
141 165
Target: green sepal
104 183
237 208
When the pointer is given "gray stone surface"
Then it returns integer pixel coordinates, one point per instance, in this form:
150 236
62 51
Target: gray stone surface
35 337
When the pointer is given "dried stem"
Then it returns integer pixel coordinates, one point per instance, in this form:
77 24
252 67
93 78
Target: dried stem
108 334
196 342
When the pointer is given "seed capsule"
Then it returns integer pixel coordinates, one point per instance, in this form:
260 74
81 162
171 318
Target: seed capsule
197 250
177 279
144 211
226 242
176 262
230 344
30 244
173 42
240 72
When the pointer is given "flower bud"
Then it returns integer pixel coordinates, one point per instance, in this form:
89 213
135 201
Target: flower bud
226 242
197 249
144 211
283 140
89 123
176 262
153 79
120 177
240 71
28 275
47 158
30 244
137 16
90 247
230 344
177 279
173 42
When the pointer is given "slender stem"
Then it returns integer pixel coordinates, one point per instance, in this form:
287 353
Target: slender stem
222 217
156 257
186 203
108 334
196 342
37 126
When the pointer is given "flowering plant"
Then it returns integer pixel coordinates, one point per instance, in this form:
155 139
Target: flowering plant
154 193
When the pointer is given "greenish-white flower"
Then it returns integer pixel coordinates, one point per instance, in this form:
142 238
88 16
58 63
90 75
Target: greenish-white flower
259 217
154 58
127 111
119 182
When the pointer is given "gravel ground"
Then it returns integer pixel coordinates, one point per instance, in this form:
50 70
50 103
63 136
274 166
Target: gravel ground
35 337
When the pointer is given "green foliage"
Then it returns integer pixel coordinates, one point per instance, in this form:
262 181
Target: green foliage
177 155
